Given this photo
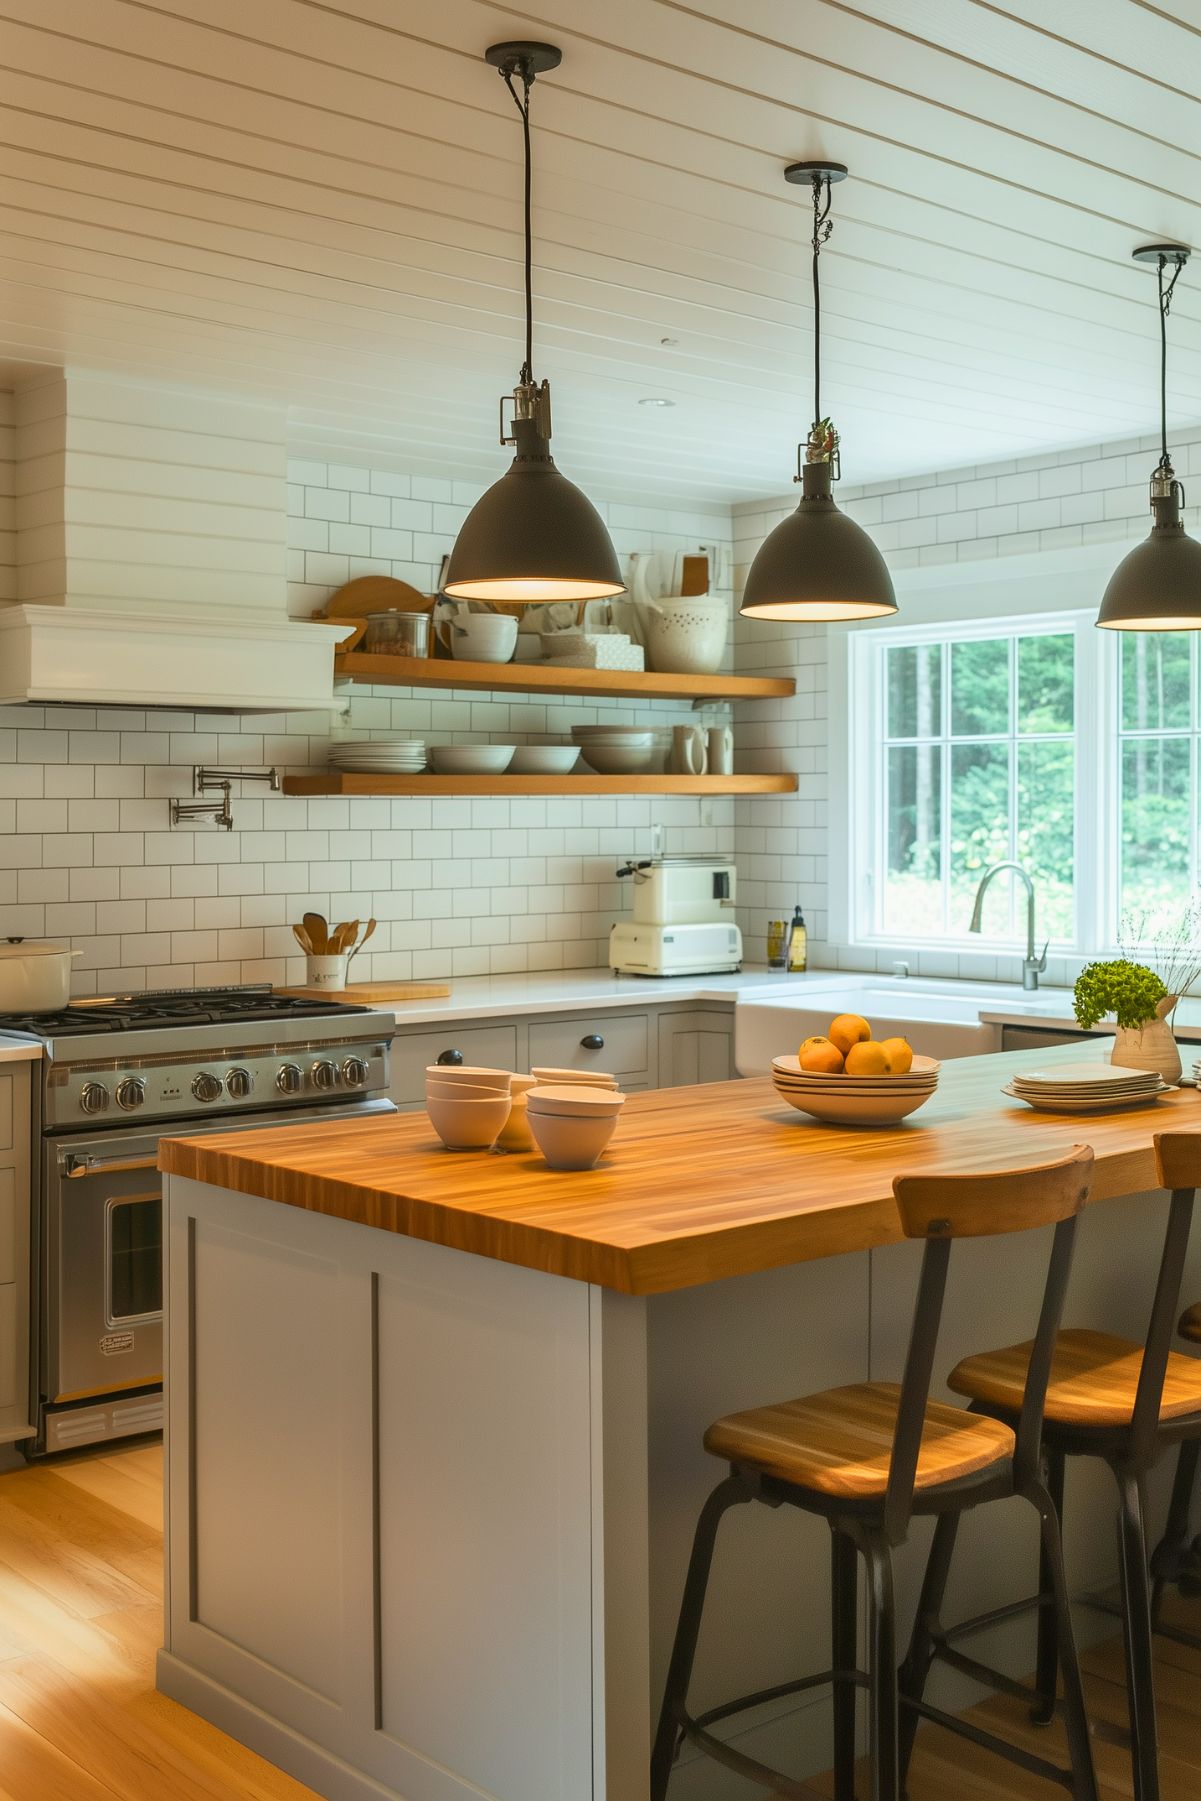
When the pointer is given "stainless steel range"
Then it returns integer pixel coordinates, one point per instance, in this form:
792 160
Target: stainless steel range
118 1074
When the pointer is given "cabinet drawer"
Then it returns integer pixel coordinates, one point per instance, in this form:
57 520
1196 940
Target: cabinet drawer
490 1047
558 1044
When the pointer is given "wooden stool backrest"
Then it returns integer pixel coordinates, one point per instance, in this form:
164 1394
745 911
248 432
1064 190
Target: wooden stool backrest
938 1209
1178 1167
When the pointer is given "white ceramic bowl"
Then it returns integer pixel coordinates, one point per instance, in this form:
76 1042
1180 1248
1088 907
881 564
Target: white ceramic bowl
844 1107
618 759
468 1125
544 759
585 1078
459 1091
484 637
583 732
471 759
575 1102
479 1075
568 1143
923 1069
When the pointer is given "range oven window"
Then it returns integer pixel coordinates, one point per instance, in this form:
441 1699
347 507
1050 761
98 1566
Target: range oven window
135 1258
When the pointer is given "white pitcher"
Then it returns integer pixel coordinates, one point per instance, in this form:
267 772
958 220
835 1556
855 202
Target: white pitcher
688 750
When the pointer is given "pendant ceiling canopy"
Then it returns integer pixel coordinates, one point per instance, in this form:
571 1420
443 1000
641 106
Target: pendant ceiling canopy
1157 588
534 536
818 564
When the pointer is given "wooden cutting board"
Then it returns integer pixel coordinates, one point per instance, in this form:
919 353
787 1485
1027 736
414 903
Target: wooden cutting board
357 994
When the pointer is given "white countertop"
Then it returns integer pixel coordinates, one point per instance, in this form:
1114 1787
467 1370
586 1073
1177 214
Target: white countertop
20 1050
563 991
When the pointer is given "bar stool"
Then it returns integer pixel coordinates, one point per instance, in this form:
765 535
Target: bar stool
868 1457
1174 1559
1109 1398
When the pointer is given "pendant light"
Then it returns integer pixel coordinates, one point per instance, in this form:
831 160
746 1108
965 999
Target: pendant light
534 536
1157 588
818 564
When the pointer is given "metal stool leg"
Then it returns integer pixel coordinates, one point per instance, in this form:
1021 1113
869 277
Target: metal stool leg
886 1781
726 1495
1136 1632
1047 1667
844 1597
1080 1751
916 1667
1171 1554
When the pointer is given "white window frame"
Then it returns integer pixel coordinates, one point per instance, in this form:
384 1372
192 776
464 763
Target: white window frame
1097 753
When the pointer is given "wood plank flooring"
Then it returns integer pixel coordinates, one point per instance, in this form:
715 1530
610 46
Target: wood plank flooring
81 1620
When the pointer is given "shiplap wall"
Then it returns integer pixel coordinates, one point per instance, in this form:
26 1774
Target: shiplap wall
975 518
135 497
459 887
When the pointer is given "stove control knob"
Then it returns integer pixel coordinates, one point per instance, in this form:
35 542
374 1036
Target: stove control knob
289 1078
354 1072
324 1074
206 1087
131 1093
239 1082
93 1097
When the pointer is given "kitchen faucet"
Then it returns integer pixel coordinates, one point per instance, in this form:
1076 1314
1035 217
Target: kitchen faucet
1032 966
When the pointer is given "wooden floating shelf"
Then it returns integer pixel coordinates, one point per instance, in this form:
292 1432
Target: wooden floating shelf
335 782
536 678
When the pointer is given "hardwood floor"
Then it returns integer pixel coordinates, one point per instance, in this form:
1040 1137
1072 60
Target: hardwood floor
81 1620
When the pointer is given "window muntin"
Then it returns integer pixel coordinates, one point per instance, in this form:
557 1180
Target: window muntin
1157 788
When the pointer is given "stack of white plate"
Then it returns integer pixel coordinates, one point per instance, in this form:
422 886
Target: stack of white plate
855 1100
1086 1088
615 749
379 756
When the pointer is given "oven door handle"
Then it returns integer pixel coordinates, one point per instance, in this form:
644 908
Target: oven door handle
75 1166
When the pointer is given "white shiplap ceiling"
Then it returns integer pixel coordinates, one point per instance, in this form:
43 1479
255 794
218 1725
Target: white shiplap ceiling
320 204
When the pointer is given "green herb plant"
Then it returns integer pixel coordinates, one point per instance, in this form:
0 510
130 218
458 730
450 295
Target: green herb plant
1130 991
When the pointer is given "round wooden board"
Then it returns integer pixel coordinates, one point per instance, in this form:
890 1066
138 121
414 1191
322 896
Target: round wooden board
376 594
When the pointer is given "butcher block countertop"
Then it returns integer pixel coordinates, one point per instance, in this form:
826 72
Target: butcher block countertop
698 1183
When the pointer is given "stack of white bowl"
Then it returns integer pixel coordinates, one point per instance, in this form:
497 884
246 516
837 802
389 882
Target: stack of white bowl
468 1107
615 749
586 1078
472 759
855 1100
572 1123
379 756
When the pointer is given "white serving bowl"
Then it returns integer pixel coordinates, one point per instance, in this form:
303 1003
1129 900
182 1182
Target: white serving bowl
618 759
544 759
575 1101
845 1107
471 759
923 1069
480 1075
571 1143
468 1125
580 732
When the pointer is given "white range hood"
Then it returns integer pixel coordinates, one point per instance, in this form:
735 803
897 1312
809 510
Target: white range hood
214 661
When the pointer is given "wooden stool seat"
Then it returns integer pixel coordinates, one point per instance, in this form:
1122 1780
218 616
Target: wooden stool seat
1094 1380
1190 1323
840 1442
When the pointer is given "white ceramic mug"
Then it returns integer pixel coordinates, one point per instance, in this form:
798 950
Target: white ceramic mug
484 637
327 972
688 750
721 750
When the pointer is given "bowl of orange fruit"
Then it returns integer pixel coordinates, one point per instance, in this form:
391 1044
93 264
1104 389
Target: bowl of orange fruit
847 1077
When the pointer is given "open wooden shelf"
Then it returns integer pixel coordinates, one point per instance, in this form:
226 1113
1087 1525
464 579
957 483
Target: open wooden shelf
536 678
332 781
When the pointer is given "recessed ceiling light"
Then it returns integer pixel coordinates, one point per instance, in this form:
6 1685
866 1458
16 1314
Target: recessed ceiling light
655 400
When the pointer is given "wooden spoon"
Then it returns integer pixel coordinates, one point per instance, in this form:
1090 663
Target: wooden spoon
362 941
303 940
317 927
345 936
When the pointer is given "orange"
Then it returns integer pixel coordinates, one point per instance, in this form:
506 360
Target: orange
868 1059
848 1029
900 1055
820 1054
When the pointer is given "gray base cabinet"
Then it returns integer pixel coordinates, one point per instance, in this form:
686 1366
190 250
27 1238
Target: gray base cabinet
660 1046
15 1124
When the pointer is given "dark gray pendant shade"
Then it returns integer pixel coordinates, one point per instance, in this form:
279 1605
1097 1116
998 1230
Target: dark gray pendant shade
818 564
1157 588
534 536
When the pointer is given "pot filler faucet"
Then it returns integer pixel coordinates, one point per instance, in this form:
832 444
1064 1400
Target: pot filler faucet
1032 966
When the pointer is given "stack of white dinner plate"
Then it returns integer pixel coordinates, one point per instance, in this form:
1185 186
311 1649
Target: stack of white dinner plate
855 1100
1086 1088
379 756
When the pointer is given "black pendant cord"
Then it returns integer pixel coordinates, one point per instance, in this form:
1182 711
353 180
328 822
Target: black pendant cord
823 225
1165 307
522 103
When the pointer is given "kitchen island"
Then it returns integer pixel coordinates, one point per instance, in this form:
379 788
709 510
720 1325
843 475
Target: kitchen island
434 1419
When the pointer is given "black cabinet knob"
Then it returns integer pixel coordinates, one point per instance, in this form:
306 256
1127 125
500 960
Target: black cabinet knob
593 1042
451 1057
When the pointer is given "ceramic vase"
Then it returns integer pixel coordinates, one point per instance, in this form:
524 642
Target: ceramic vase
1149 1046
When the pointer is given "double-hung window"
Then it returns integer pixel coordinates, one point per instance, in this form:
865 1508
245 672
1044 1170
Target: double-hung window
1158 732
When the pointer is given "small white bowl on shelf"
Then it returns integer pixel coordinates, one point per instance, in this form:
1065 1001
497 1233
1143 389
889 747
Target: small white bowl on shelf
618 756
544 759
471 759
